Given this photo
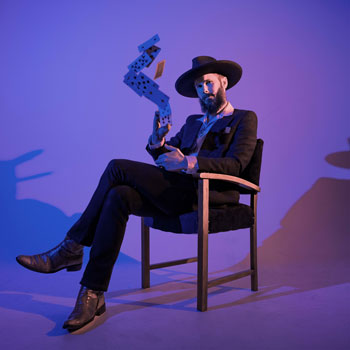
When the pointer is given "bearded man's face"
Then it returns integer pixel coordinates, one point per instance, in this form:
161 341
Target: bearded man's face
211 90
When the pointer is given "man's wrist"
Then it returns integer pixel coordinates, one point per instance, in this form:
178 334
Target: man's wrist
185 163
153 145
155 139
192 164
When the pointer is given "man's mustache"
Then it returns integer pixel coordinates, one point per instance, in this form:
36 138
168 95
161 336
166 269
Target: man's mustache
208 95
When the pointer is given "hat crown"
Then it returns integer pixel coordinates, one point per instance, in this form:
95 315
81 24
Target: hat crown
202 60
202 65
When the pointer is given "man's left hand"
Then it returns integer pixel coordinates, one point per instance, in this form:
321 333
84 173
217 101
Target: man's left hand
173 160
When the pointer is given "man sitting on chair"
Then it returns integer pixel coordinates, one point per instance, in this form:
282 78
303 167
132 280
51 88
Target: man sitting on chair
220 141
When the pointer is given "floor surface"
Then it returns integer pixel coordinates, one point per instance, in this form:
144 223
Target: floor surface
300 311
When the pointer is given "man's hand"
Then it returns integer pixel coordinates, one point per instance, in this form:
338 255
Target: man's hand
173 160
159 132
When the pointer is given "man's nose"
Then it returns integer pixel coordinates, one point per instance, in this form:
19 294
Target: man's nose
205 88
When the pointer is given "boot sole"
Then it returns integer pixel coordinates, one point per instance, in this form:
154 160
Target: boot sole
98 312
74 268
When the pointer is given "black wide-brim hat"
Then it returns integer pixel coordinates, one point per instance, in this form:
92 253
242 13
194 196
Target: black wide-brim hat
204 65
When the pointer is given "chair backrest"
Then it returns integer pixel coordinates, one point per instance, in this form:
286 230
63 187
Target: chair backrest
252 171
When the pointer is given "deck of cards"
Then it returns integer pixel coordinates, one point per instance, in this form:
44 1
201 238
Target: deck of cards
144 85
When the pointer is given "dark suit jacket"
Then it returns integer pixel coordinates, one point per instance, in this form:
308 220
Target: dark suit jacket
227 149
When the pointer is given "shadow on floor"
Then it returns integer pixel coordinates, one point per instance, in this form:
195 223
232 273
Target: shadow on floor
311 250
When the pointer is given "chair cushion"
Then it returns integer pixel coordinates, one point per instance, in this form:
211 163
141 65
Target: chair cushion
220 219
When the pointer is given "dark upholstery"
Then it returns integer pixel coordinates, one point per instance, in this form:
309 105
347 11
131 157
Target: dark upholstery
220 219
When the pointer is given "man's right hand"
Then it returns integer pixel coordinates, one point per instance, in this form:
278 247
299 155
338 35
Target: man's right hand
159 132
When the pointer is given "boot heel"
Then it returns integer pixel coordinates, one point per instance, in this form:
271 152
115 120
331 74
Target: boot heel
74 267
101 310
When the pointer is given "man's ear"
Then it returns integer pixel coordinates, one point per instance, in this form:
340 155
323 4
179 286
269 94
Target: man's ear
224 82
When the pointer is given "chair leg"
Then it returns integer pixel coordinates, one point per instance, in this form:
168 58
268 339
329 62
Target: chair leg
253 245
203 216
145 255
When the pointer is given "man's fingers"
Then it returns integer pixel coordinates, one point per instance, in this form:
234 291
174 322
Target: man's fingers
160 159
170 148
156 123
167 127
174 149
163 130
163 158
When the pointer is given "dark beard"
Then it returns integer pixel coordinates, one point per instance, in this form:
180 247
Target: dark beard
214 106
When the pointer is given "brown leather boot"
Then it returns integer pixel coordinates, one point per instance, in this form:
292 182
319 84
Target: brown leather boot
90 303
67 255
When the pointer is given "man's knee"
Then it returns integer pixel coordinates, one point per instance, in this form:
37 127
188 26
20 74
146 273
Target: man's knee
120 195
116 163
126 165
125 198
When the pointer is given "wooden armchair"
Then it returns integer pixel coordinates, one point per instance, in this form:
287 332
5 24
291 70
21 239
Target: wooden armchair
209 220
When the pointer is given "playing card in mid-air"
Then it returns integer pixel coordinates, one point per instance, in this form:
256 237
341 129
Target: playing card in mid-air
144 85
152 52
131 79
156 96
151 90
159 69
141 62
147 44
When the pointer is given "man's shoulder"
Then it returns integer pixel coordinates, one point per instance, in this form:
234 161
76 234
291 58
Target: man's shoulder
238 111
244 114
193 118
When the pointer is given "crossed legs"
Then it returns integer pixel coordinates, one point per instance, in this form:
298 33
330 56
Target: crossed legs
126 187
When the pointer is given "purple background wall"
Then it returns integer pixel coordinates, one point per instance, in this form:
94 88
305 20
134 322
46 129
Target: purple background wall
62 64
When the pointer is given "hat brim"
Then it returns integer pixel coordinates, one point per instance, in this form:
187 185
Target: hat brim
185 83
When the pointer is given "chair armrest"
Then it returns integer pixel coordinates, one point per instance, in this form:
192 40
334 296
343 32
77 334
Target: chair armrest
233 179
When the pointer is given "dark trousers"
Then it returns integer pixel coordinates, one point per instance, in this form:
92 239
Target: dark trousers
126 187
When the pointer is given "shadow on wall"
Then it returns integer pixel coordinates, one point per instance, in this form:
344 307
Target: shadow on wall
27 226
311 250
30 226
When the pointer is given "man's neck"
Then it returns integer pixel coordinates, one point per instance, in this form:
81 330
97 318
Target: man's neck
223 112
220 110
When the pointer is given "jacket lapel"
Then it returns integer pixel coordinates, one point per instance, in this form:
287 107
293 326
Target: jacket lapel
191 138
